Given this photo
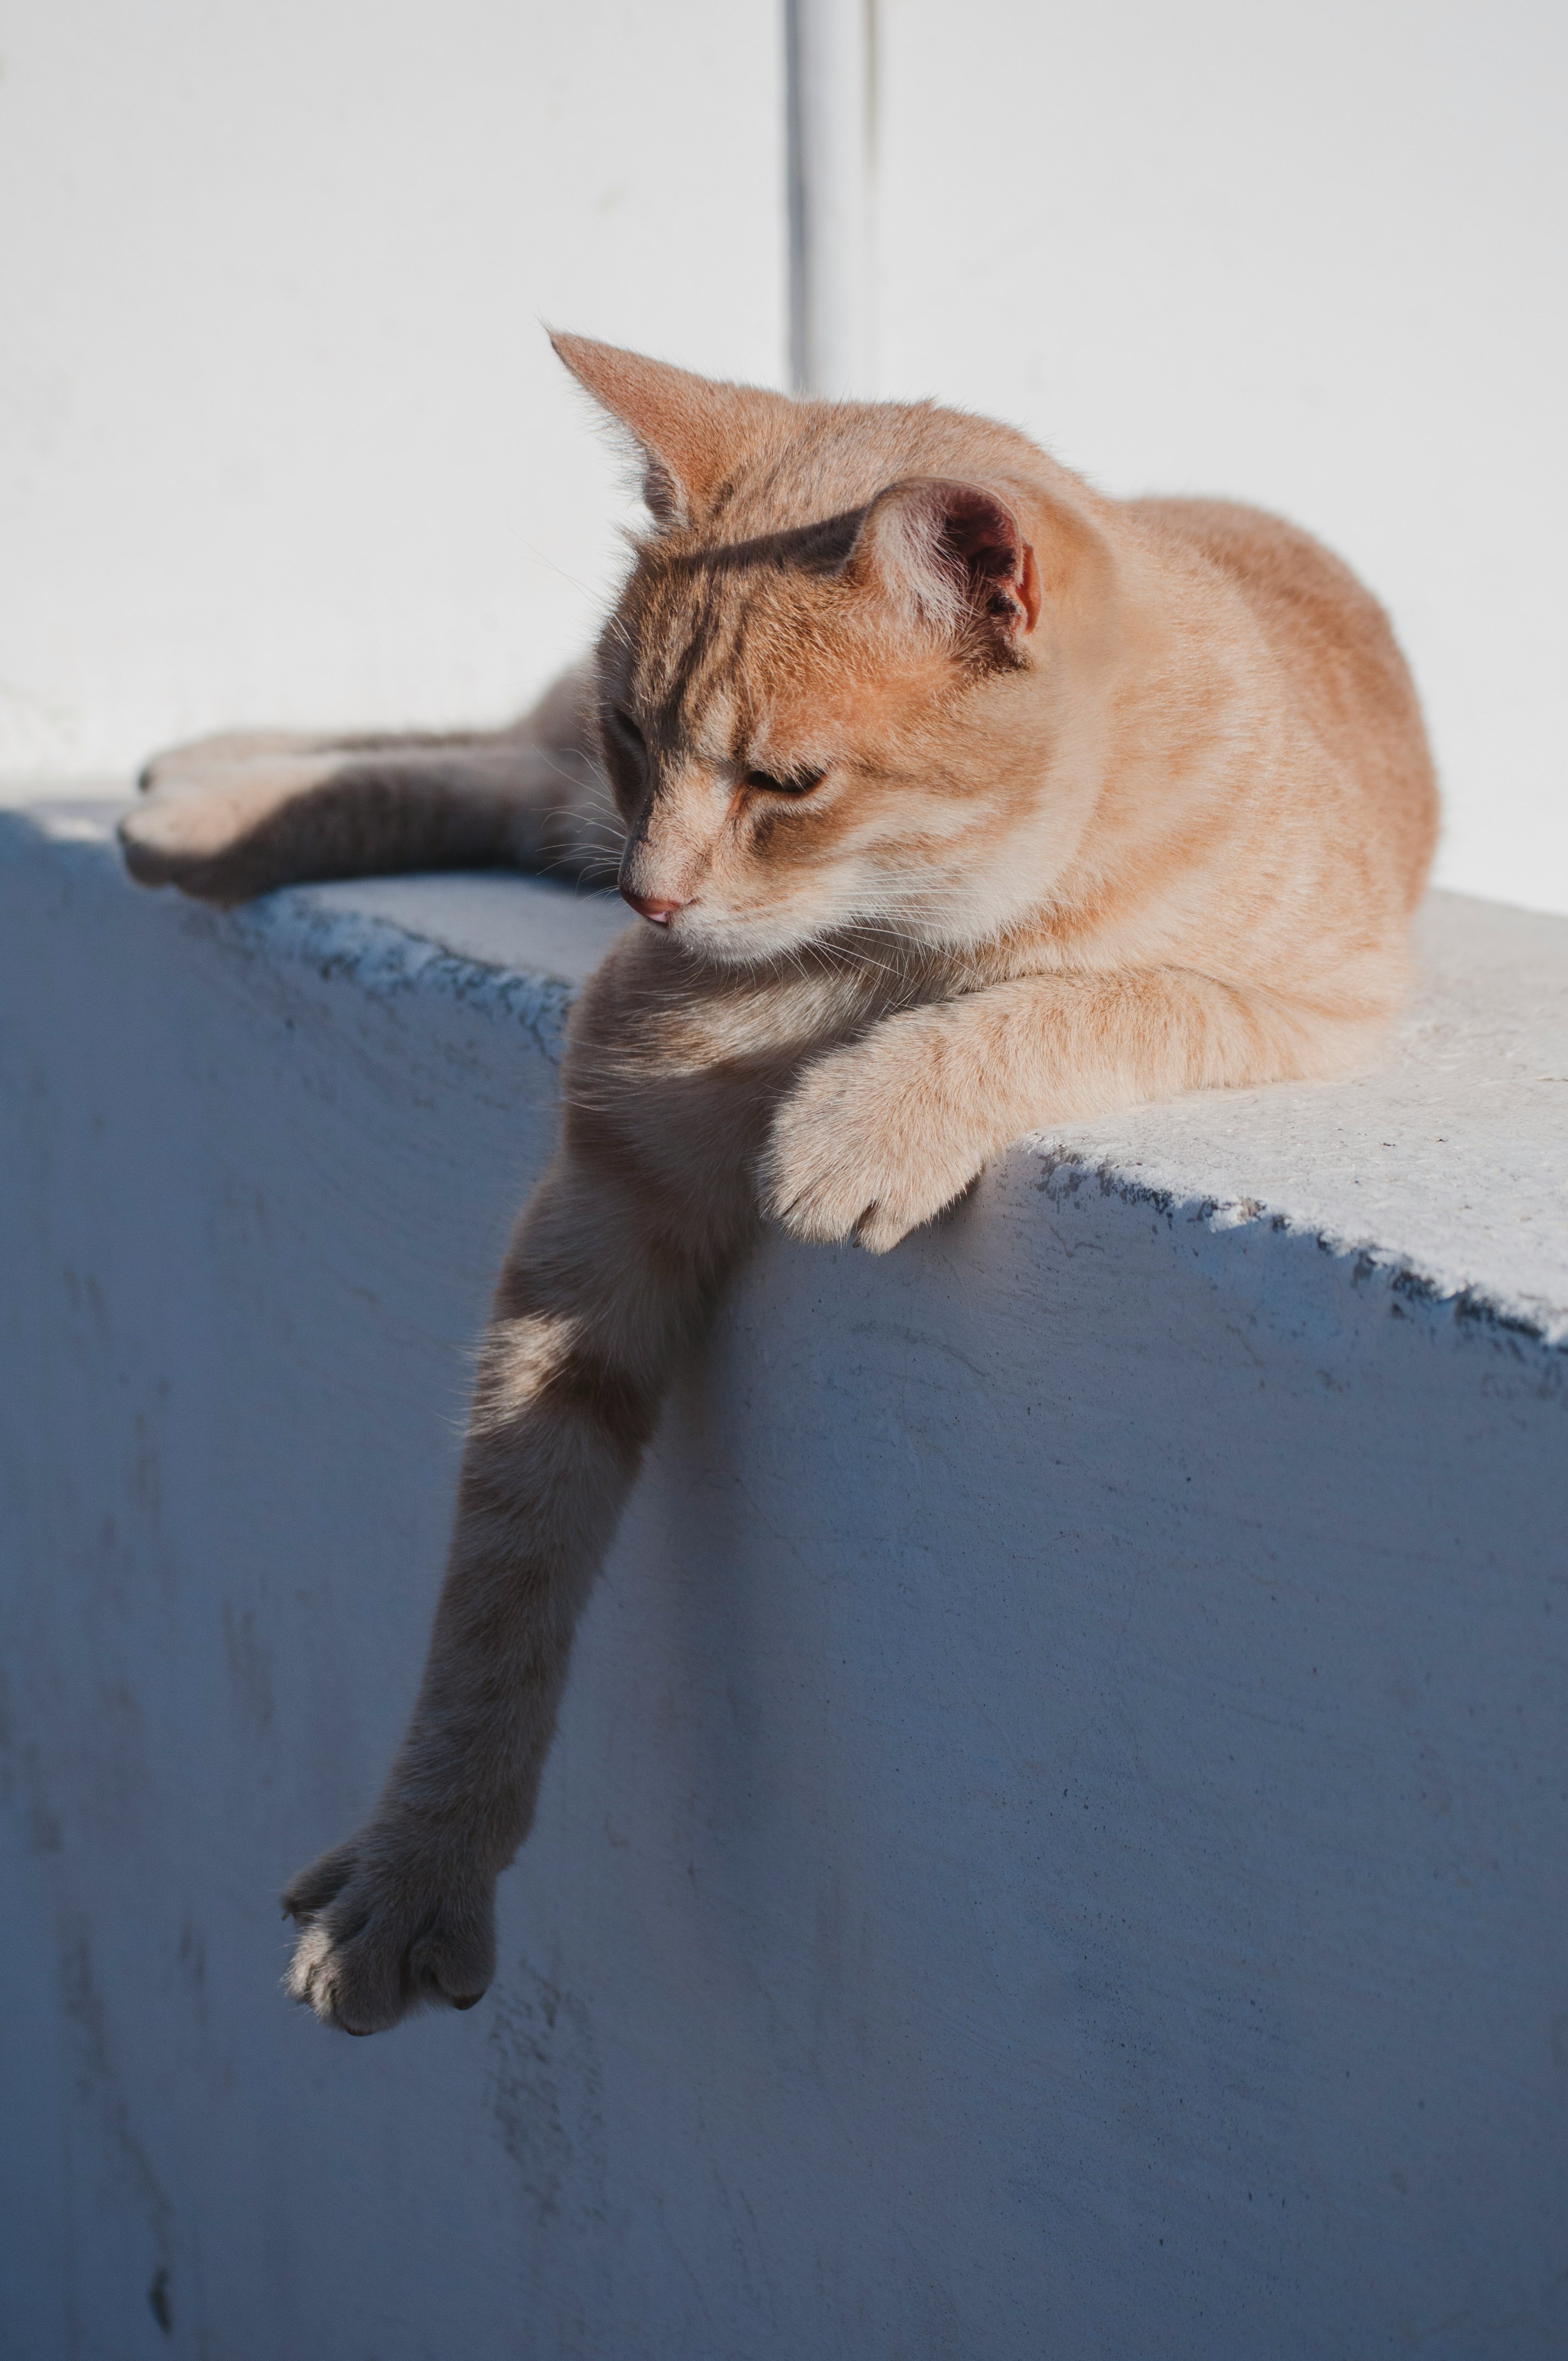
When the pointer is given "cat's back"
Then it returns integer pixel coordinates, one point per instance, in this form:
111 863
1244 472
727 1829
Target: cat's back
1338 651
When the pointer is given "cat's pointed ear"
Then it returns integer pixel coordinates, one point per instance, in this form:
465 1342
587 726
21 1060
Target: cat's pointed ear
691 430
951 555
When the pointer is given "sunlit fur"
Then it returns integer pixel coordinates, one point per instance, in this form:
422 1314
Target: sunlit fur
966 801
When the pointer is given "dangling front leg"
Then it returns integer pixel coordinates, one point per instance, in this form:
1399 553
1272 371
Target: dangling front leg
669 1087
877 1137
600 1290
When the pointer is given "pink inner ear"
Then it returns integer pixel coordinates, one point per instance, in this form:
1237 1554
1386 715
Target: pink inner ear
979 537
949 551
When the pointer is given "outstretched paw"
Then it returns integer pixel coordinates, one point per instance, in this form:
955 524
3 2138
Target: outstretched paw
865 1147
386 1927
205 808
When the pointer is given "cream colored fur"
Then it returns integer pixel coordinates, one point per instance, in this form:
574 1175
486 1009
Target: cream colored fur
962 801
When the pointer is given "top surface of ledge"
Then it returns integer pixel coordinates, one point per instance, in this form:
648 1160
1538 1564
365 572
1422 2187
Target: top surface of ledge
1449 1159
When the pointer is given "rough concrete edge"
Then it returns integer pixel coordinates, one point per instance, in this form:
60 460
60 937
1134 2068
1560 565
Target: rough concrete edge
1467 1306
384 959
387 959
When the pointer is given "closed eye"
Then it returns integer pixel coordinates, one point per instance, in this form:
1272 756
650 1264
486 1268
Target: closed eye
800 784
628 729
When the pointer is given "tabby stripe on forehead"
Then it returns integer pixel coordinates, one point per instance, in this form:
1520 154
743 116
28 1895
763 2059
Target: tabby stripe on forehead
680 660
713 656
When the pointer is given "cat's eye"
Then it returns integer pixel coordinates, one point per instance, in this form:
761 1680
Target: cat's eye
799 783
628 729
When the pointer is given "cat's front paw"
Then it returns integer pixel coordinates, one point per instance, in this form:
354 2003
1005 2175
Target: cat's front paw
864 1148
388 1925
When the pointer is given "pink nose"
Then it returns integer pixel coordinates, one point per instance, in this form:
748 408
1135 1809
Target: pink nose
647 906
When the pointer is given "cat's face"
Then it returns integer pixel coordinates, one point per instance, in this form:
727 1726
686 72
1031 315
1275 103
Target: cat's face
820 690
788 765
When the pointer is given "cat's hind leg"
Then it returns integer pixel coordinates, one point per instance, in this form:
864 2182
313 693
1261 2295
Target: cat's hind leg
228 817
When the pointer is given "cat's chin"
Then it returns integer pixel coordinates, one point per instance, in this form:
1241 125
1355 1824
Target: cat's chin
742 942
759 940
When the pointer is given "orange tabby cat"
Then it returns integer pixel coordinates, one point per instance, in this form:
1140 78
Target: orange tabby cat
960 801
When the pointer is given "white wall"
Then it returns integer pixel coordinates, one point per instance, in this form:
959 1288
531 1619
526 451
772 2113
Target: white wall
279 437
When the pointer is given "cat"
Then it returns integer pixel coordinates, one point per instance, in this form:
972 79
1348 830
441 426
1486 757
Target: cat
959 800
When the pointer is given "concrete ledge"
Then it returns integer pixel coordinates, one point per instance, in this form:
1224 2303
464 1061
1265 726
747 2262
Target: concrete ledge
1058 1843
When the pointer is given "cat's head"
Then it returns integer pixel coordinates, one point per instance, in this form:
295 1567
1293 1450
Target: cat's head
829 690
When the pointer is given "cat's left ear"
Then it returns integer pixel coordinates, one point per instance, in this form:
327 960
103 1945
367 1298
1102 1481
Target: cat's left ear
692 430
952 554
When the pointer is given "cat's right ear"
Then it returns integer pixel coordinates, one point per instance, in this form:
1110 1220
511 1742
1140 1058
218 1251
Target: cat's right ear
692 432
949 557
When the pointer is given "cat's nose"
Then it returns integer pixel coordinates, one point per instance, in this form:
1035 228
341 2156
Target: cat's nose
647 906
